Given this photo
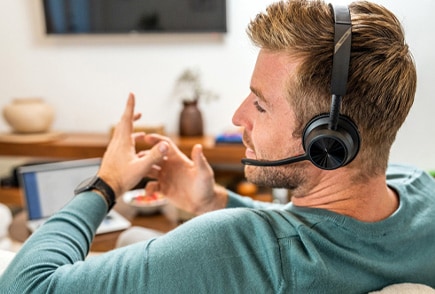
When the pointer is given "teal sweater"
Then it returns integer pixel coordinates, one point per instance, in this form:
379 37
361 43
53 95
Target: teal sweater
253 249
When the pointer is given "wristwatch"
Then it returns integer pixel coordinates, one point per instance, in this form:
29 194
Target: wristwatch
96 183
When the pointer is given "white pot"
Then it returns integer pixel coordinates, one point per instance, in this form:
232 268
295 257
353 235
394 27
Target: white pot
29 115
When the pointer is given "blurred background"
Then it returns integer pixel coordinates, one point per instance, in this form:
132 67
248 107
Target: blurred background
87 77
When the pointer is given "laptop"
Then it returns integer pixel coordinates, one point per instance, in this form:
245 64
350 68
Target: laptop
50 186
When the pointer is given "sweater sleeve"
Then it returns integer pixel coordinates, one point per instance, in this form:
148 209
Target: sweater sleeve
53 259
63 240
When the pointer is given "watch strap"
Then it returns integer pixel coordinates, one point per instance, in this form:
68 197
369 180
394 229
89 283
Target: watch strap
96 183
106 191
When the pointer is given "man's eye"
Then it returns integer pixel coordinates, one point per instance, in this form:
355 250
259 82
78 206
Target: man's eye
259 108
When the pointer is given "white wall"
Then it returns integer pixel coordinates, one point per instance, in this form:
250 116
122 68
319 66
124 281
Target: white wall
87 78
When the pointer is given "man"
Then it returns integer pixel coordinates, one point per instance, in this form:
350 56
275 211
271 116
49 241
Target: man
352 227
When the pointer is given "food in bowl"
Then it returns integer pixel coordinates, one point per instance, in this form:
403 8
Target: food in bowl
145 203
146 199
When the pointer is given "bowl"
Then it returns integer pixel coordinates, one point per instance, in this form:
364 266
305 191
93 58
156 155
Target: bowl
143 203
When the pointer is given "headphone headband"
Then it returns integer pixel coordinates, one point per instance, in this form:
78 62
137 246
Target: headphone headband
342 47
332 140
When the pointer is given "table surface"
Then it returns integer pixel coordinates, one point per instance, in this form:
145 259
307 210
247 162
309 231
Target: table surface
102 242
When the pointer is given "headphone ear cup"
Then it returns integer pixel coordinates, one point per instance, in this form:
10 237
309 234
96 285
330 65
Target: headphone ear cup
330 149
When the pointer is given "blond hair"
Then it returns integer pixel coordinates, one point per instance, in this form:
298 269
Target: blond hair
382 75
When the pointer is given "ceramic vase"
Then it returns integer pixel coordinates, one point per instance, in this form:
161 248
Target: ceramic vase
28 115
191 123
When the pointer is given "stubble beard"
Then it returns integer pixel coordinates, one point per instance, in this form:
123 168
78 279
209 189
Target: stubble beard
290 176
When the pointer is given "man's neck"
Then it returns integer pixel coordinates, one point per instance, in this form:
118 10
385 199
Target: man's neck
367 201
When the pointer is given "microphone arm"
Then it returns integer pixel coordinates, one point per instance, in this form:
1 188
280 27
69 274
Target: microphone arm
279 162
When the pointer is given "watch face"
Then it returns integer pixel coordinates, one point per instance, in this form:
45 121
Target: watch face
85 185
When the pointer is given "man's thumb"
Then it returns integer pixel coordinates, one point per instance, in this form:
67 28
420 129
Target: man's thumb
158 152
199 158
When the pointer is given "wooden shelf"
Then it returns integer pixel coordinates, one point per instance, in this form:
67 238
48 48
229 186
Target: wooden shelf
88 145
11 197
224 158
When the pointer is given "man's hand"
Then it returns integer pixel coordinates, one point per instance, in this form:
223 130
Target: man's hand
122 168
188 183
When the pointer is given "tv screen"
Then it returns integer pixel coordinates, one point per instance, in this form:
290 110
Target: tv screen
134 16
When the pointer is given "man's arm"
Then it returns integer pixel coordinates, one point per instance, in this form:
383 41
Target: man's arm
64 239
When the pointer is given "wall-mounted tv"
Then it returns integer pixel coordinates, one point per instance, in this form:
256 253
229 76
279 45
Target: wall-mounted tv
134 16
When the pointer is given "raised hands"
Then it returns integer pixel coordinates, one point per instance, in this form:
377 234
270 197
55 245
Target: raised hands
188 183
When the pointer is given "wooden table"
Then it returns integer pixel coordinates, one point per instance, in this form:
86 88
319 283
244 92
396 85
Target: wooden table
103 242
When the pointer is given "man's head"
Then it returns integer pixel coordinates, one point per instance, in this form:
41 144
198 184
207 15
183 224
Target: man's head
382 76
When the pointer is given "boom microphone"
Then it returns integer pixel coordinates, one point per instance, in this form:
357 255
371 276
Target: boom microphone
279 162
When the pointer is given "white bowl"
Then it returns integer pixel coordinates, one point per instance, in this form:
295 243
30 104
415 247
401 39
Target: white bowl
147 205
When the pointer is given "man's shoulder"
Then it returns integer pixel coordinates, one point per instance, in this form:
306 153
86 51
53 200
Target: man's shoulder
240 217
232 222
413 185
408 174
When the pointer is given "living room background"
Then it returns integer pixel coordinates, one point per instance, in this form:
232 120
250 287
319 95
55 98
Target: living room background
87 78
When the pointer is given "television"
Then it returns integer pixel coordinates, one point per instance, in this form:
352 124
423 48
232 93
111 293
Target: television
134 16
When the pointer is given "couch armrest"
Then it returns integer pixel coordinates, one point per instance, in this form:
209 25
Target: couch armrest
407 288
5 258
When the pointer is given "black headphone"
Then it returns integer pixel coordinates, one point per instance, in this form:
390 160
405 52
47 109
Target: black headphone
330 140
